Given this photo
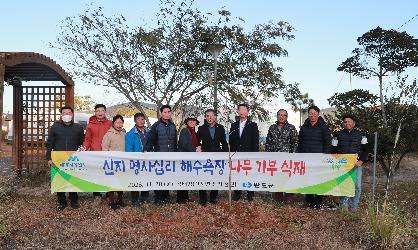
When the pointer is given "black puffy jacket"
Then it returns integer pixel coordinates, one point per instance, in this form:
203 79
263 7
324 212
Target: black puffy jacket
349 142
64 137
162 137
314 139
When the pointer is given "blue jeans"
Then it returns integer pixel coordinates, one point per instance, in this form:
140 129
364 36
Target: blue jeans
354 201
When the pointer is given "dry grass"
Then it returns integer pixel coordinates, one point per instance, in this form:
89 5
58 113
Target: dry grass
30 219
35 222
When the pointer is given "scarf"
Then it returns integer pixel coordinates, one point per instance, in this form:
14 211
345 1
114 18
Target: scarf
195 142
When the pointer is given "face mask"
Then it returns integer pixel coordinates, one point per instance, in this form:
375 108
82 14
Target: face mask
67 118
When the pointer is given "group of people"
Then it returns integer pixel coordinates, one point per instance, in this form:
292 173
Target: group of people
103 134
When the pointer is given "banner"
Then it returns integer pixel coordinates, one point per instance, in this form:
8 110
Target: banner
104 171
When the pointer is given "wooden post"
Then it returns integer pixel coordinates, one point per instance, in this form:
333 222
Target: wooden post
2 71
69 95
17 127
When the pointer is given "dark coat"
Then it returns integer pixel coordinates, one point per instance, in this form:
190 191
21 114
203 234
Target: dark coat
218 144
185 141
64 137
249 139
162 137
349 142
314 139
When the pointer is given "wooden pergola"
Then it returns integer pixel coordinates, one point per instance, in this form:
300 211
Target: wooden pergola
35 108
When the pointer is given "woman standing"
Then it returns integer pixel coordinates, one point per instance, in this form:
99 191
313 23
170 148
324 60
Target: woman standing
114 140
188 142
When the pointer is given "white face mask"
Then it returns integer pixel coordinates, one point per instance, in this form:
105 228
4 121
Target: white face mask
67 118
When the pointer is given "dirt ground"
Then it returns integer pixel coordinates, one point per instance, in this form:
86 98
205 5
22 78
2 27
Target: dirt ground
6 149
29 218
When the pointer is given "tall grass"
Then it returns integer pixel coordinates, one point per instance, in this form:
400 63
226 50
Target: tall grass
386 226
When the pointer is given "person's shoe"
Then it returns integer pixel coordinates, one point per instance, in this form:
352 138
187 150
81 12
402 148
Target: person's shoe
97 200
308 205
343 208
332 207
165 200
114 206
120 204
135 204
317 206
203 202
213 201
62 206
277 196
236 197
75 205
324 207
353 209
288 198
145 197
181 201
97 195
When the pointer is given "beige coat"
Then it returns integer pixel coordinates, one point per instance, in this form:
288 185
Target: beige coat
114 140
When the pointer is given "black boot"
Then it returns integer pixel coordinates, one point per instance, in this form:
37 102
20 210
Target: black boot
145 196
236 195
114 206
62 201
212 196
250 195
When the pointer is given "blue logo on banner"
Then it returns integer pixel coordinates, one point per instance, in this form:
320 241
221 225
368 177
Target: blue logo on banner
247 184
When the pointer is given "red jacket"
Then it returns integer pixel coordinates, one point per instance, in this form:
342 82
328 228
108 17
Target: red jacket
95 132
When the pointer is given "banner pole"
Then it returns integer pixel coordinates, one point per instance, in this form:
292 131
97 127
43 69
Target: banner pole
374 168
230 174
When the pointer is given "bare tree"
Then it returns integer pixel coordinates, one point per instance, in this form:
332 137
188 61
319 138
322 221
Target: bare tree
165 64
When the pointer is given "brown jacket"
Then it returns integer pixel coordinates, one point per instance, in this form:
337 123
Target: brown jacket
114 140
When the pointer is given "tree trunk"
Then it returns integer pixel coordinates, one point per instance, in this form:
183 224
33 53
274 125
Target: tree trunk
2 71
141 109
300 117
159 104
400 160
382 104
389 179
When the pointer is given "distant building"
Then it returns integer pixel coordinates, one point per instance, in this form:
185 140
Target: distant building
7 126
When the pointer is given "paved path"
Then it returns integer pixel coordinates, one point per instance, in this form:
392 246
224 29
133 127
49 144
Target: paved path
5 166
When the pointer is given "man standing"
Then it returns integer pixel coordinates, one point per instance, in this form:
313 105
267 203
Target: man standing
282 137
95 131
65 135
135 141
314 137
244 137
351 140
212 138
162 138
